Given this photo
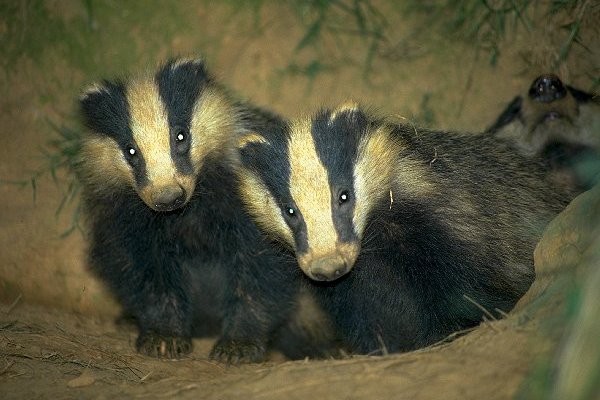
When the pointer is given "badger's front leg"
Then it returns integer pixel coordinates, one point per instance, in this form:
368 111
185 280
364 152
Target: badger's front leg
149 282
164 321
260 299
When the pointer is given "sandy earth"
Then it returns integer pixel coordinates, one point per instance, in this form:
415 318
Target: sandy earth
57 333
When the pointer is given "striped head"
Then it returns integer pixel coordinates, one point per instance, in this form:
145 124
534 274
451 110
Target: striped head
315 187
153 134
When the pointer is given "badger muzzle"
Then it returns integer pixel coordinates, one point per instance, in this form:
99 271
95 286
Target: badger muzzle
329 266
164 198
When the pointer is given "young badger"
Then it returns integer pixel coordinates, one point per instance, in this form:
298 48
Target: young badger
168 232
407 234
559 123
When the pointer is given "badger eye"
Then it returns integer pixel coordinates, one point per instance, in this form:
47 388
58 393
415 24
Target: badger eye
343 197
180 137
131 155
291 212
130 152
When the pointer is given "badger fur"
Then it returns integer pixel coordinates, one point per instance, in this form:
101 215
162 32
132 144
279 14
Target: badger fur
406 234
561 124
168 232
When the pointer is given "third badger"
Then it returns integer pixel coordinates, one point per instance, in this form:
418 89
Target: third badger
405 234
559 123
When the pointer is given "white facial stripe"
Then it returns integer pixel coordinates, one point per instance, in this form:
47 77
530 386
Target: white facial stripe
309 187
263 207
150 128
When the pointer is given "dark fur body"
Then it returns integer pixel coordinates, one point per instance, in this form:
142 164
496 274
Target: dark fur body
561 124
200 269
461 218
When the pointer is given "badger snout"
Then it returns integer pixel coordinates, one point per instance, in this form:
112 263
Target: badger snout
168 198
331 265
547 88
328 269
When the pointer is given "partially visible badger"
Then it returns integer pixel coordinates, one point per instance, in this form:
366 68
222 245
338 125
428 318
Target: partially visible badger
561 124
169 234
407 235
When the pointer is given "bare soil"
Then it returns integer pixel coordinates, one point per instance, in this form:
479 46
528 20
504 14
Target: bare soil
52 354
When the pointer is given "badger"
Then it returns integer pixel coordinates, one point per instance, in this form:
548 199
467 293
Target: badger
561 124
168 231
406 235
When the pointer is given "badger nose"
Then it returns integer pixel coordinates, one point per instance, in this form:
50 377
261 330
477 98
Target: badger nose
328 270
547 88
169 198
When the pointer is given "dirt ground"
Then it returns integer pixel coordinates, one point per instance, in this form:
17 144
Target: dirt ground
58 338
51 354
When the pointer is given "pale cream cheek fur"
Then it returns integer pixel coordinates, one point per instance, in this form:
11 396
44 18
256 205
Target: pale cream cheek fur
380 170
263 207
104 164
373 175
213 128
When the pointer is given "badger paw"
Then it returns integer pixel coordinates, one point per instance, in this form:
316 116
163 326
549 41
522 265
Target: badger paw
231 351
169 347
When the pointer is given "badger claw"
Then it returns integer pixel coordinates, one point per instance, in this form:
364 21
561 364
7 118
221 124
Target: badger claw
238 351
158 346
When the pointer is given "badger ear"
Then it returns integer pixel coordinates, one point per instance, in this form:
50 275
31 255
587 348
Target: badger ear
104 107
348 110
182 71
251 138
185 62
180 82
347 106
250 146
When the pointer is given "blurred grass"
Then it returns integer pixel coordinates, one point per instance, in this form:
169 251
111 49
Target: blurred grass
486 24
355 23
35 28
31 28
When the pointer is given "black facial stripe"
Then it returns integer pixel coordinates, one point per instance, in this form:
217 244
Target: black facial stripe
337 142
301 235
137 163
179 88
342 219
106 112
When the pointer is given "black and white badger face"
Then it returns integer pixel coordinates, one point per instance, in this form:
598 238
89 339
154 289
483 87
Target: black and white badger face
315 187
153 134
